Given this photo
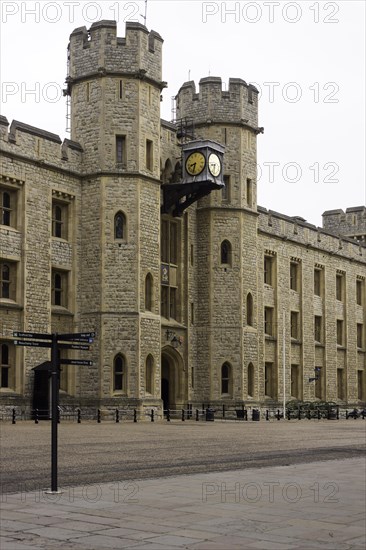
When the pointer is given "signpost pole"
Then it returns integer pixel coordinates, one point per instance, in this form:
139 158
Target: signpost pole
55 395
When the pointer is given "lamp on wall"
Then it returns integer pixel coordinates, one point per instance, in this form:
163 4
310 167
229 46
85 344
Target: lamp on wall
172 338
317 374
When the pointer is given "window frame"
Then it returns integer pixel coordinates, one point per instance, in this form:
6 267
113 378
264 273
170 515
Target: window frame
226 379
121 373
59 293
120 215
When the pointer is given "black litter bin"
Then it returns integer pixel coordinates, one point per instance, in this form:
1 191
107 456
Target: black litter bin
210 415
256 414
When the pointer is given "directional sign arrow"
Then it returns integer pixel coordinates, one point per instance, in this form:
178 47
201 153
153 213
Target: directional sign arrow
41 336
77 336
82 362
32 344
74 346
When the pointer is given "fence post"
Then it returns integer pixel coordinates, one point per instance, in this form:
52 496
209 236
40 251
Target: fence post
98 416
267 414
337 412
288 414
36 416
134 415
13 416
117 416
168 415
197 415
308 415
318 414
152 415
299 414
223 411
79 416
183 415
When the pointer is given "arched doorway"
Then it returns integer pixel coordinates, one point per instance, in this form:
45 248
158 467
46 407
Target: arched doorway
172 383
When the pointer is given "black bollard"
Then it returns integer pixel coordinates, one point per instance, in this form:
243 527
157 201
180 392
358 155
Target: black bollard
152 415
197 415
223 411
278 416
299 414
337 412
117 416
134 415
98 416
308 415
319 416
267 414
288 414
245 414
79 416
168 415
36 416
183 415
13 416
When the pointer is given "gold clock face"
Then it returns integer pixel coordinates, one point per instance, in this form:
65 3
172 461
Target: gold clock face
214 164
195 163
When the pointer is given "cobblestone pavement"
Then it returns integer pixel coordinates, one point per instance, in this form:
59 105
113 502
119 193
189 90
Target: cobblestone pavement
301 505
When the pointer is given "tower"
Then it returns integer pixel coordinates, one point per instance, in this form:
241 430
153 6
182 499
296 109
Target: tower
226 281
115 85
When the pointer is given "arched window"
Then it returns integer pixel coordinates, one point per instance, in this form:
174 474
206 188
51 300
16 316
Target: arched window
119 373
250 380
149 292
249 309
226 252
226 378
119 226
167 172
149 374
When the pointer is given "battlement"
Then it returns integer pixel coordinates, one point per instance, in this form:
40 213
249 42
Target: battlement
100 52
297 230
213 104
39 145
351 223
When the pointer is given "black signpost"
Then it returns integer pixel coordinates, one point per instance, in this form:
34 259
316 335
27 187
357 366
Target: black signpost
35 340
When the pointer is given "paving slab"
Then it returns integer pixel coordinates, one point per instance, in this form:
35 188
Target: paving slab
313 505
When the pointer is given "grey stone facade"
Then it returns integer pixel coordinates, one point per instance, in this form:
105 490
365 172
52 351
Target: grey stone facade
217 332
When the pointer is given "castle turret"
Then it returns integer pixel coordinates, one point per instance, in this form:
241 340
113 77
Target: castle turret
227 226
115 85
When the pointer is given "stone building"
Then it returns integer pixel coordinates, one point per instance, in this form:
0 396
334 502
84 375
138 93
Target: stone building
250 294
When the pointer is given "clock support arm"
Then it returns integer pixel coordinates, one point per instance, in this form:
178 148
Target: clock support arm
174 193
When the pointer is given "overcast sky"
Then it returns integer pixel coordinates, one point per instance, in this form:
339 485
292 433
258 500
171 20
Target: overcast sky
306 57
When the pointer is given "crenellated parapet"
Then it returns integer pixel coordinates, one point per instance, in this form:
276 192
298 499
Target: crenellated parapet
40 146
212 104
351 223
99 52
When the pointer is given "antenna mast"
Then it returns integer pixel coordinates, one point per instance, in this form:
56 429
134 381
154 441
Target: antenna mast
144 17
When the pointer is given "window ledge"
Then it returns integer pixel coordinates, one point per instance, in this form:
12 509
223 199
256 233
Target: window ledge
341 347
9 304
319 345
8 391
7 228
296 341
60 310
60 239
270 337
